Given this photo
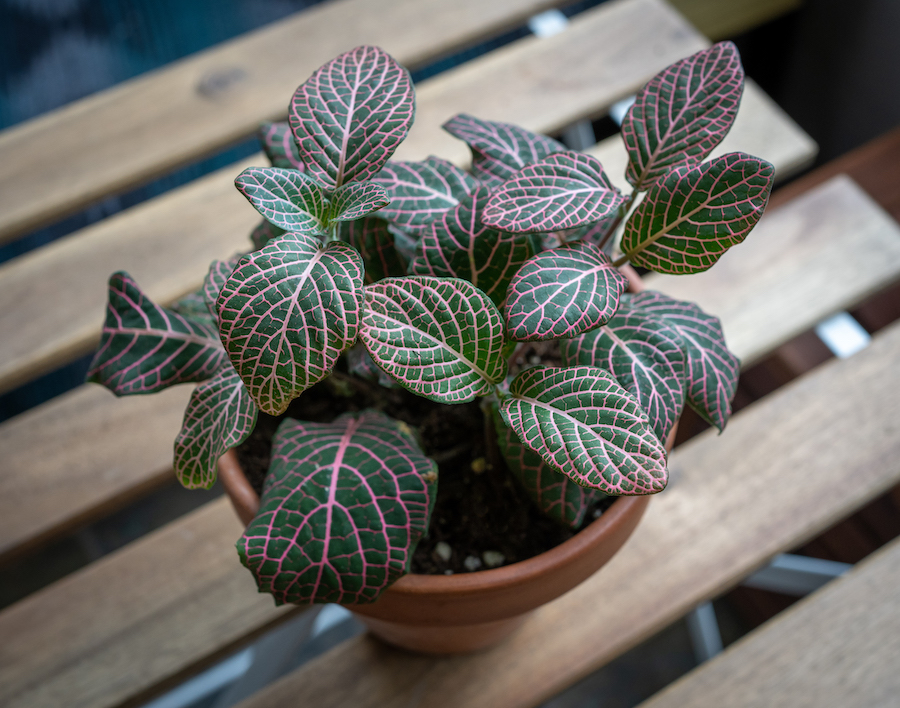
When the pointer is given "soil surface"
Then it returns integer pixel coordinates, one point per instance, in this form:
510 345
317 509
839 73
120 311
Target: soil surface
482 517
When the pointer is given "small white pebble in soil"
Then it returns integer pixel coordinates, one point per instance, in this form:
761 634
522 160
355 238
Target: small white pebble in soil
448 572
443 550
598 513
479 465
493 558
534 359
472 563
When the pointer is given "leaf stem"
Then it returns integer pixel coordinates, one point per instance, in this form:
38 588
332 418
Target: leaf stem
334 232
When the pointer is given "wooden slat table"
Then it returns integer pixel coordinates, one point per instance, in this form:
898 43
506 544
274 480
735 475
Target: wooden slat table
141 619
168 243
224 618
779 476
836 648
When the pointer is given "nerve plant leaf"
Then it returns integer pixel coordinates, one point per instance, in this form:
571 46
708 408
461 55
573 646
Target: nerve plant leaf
561 191
145 348
351 114
690 218
422 191
563 292
682 113
645 355
220 415
287 312
219 272
585 425
374 240
553 493
441 338
712 370
343 507
355 200
287 198
499 150
264 233
459 244
278 144
193 306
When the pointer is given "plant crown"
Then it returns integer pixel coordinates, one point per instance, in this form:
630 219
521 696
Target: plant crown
440 274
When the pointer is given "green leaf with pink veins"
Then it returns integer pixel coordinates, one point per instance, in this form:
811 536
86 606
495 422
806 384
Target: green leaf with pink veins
682 113
441 338
287 312
278 143
354 201
421 192
146 348
219 272
220 415
562 191
343 507
288 199
374 240
693 215
351 114
499 150
553 493
586 426
562 293
712 370
458 244
644 354
264 233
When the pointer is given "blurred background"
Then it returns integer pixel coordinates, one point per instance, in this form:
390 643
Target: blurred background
833 66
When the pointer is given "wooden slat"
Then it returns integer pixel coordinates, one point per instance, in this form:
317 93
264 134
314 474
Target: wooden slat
543 85
786 468
807 239
168 243
80 456
109 142
134 620
836 648
40 673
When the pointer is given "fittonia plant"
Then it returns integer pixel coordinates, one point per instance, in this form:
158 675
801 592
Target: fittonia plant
440 274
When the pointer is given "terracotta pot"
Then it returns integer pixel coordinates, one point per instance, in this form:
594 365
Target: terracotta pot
453 614
456 614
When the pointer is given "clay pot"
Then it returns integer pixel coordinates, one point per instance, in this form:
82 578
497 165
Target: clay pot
456 614
441 614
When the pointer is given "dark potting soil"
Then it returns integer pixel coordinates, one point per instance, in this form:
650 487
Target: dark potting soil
480 508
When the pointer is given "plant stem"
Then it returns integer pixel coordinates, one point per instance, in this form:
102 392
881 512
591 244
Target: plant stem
334 232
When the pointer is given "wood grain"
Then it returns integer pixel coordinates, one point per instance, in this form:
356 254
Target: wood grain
116 139
838 647
783 471
134 620
166 603
543 85
80 456
798 255
168 243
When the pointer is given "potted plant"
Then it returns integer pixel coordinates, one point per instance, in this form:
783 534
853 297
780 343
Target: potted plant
408 290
